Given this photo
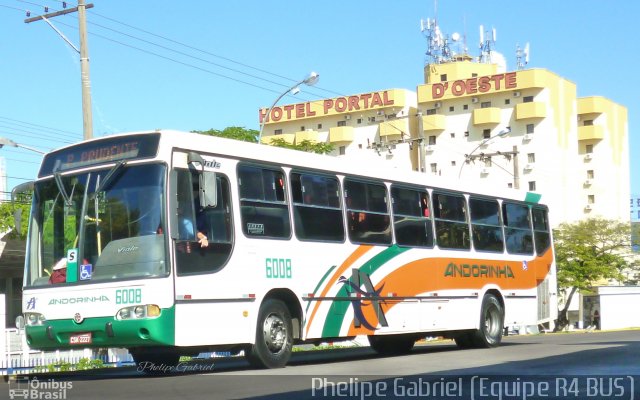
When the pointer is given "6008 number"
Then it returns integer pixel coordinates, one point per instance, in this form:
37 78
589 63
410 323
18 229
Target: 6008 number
128 296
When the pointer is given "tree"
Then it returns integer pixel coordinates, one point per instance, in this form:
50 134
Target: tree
7 220
589 251
251 135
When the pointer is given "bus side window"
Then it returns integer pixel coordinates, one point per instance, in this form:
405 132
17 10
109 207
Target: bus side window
485 225
452 229
517 228
411 217
316 207
264 209
367 212
541 235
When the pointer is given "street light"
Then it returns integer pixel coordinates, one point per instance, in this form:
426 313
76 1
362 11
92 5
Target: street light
9 142
467 157
310 80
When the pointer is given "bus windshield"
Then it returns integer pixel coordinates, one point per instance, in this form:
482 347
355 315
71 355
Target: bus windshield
110 220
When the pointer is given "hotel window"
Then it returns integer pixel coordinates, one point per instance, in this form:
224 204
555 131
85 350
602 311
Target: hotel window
486 133
531 158
452 109
532 185
590 174
453 163
434 168
359 120
588 122
530 128
591 199
527 99
432 140
510 185
507 101
372 119
302 128
342 123
277 132
485 104
589 149
465 106
443 78
319 126
466 133
431 111
342 150
453 135
487 162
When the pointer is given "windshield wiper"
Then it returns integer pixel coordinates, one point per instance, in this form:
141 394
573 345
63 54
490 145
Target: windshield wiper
58 178
110 176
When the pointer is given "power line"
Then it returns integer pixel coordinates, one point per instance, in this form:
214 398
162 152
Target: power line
203 51
61 132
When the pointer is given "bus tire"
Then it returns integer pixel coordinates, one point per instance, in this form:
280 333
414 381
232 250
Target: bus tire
274 336
491 323
391 344
154 361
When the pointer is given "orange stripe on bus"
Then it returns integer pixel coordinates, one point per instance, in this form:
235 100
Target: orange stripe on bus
359 252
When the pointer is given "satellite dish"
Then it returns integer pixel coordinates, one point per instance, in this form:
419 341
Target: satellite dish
455 36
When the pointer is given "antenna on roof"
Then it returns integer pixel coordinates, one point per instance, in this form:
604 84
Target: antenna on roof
522 57
485 46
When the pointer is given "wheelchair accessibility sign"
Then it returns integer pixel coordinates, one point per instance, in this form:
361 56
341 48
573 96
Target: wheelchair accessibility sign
85 271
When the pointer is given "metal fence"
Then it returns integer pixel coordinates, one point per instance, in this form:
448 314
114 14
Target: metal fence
20 359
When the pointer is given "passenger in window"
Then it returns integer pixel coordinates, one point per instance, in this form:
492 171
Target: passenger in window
424 204
186 226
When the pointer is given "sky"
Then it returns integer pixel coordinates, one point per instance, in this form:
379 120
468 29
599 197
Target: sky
202 64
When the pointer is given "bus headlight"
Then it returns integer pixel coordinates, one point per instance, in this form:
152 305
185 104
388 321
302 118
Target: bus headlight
138 312
34 319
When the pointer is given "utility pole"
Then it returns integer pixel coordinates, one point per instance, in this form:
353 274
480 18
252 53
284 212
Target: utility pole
87 119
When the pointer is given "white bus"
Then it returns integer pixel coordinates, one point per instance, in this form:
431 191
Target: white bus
302 248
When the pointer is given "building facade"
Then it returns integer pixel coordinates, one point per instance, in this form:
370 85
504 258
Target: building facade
573 151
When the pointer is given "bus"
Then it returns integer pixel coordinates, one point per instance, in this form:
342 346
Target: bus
176 243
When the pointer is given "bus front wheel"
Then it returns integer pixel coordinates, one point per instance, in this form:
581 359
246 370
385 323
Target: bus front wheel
274 336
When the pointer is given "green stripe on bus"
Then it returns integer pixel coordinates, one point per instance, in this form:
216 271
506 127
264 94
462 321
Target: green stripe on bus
159 331
338 308
315 291
532 197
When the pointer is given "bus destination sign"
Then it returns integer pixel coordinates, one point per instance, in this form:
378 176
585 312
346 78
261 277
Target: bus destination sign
100 152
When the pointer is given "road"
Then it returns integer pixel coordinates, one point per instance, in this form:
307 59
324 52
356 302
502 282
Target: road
580 365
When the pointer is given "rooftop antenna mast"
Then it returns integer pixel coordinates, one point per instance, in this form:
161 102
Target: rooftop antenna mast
522 56
485 46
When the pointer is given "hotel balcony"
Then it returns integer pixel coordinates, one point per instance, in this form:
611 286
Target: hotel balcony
309 134
341 134
489 115
592 105
288 137
395 127
590 132
435 122
530 110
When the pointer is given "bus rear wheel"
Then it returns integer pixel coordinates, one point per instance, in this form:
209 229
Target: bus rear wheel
491 323
391 344
274 336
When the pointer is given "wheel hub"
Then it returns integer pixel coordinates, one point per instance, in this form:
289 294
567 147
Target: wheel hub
275 333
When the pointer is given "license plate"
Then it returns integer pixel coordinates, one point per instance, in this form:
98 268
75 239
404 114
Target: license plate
81 338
